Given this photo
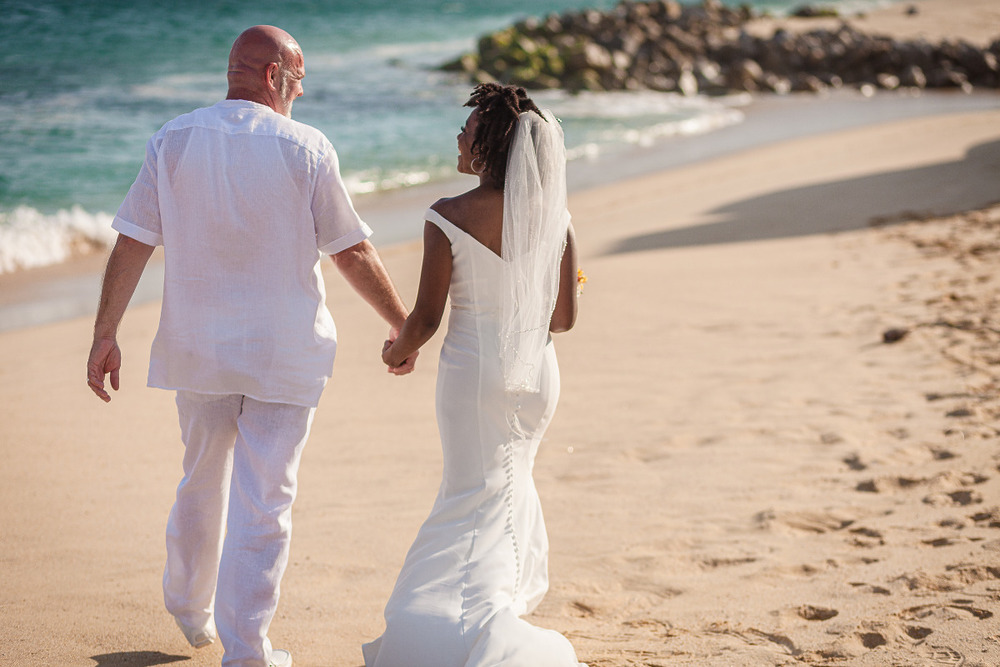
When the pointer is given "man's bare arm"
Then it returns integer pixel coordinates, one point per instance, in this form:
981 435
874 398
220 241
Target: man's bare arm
125 266
362 267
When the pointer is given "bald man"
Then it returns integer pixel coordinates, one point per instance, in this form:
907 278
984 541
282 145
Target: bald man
245 202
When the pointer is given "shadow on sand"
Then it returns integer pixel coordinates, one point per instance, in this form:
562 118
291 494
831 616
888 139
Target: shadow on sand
136 659
935 190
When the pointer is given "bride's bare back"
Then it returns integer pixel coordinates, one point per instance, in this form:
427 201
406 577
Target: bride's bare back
478 213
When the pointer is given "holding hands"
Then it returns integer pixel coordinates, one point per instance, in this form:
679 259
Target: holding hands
389 357
400 351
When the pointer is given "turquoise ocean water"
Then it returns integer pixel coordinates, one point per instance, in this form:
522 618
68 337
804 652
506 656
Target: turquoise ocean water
86 82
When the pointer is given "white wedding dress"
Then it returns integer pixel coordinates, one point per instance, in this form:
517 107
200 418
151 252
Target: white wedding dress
479 561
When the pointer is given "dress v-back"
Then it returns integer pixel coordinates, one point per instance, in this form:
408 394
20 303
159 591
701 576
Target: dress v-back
479 561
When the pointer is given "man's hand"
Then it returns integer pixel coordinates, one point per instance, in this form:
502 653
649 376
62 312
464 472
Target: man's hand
105 357
128 259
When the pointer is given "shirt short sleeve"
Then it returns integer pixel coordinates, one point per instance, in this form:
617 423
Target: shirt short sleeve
338 225
139 215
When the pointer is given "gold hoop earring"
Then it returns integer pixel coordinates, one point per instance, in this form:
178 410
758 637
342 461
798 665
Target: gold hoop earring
473 165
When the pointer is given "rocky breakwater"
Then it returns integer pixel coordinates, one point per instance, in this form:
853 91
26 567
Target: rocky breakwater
667 46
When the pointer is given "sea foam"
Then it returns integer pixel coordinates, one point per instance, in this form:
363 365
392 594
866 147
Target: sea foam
29 238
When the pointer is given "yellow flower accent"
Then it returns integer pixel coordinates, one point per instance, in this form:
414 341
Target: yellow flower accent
581 279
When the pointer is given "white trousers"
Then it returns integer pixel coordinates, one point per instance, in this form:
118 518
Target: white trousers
229 530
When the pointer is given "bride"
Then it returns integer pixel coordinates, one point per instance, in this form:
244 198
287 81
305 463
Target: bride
505 252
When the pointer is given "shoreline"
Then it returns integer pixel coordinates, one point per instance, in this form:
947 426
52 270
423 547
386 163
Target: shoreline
71 289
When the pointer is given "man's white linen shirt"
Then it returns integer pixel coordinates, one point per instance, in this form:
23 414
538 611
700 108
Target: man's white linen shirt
245 202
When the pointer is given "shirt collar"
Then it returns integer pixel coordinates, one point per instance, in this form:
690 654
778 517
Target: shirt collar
248 104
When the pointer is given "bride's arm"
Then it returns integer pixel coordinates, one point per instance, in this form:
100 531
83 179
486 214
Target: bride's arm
564 315
432 295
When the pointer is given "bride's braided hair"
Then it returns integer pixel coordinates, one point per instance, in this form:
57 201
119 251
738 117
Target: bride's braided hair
499 107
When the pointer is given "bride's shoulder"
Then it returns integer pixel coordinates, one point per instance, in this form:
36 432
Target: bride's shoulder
453 209
444 205
473 205
454 205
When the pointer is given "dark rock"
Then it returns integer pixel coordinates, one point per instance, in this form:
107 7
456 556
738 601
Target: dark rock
777 84
745 75
894 335
663 45
913 77
589 56
687 83
659 82
831 80
945 76
807 82
888 81
708 76
811 12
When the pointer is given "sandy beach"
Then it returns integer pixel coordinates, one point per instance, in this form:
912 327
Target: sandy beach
777 441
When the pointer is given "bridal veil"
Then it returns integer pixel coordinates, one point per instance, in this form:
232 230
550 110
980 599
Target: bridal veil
535 220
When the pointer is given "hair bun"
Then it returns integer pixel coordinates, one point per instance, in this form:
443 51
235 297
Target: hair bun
499 107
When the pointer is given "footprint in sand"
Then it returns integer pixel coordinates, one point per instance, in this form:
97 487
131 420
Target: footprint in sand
855 463
871 588
942 454
872 640
712 563
951 487
807 522
651 587
960 498
912 455
655 624
811 613
941 542
888 484
945 612
866 537
943 655
966 605
918 632
988 518
754 637
582 609
956 578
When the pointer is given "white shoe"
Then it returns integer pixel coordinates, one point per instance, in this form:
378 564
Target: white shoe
198 637
280 658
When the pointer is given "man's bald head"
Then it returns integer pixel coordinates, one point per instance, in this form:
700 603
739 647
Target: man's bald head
266 66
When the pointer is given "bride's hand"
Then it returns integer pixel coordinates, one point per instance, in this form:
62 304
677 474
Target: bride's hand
405 367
